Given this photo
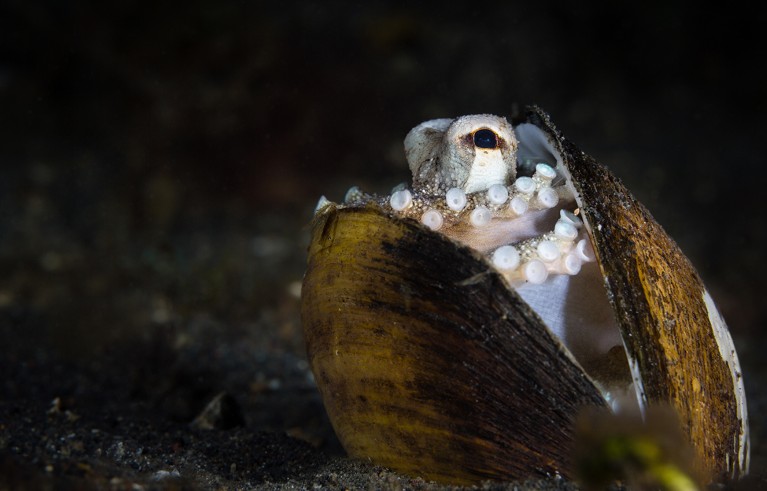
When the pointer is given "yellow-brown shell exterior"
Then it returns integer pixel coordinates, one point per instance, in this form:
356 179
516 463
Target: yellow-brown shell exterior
413 381
675 338
430 363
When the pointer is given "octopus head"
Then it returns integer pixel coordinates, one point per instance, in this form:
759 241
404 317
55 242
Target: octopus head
471 153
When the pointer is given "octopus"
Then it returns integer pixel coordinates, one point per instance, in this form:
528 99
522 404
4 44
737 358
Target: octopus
472 184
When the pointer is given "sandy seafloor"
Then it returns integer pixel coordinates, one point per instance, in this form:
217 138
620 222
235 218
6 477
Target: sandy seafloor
160 164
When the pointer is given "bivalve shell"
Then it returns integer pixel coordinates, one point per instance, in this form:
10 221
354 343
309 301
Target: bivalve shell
435 362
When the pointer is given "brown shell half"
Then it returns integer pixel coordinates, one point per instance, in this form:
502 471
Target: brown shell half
430 364
658 298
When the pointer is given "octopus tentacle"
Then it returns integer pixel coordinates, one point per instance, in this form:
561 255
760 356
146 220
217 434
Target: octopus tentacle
519 256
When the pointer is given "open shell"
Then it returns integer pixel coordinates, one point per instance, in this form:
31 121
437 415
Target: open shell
430 363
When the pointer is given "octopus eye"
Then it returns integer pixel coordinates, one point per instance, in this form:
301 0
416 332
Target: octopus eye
485 138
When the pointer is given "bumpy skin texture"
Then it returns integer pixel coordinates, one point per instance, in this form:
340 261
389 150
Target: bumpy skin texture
465 185
442 153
